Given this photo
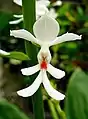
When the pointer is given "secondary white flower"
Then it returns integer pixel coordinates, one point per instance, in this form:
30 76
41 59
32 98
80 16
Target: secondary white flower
45 30
52 13
19 19
44 2
41 9
57 3
2 52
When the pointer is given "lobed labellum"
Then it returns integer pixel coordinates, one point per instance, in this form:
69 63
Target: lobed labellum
43 65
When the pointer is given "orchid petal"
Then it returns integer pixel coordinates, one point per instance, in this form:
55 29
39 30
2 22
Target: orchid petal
18 16
16 21
57 73
65 37
18 2
50 90
46 28
22 33
29 91
43 2
2 52
41 10
30 70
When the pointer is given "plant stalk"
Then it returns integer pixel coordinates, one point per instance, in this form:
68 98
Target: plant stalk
29 14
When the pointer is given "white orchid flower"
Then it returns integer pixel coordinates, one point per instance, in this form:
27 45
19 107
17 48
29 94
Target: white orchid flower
2 52
41 9
45 30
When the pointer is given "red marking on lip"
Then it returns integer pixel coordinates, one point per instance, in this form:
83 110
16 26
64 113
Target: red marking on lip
43 65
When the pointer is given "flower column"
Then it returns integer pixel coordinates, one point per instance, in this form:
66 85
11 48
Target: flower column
29 19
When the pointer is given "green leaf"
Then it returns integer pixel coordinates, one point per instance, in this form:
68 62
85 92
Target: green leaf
10 111
80 10
77 96
16 55
19 56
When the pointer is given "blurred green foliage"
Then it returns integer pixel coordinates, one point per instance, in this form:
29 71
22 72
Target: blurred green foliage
77 96
10 111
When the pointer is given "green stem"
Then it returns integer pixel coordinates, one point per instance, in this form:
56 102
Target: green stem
52 109
59 110
29 19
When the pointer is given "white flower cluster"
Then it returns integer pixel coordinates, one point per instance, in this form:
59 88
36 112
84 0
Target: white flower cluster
41 9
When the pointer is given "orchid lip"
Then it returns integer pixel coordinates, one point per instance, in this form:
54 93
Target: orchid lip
43 65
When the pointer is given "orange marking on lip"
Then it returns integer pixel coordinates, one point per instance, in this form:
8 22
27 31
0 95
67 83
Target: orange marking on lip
43 65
